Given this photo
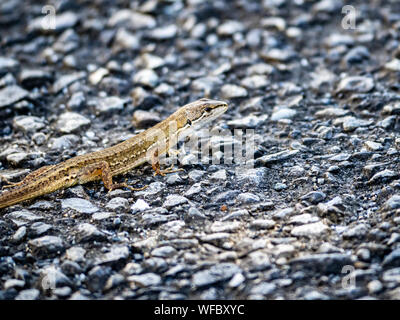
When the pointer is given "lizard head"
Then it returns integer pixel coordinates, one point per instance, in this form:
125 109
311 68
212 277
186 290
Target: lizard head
203 111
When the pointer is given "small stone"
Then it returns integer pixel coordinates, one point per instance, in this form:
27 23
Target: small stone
76 101
393 65
76 254
88 232
220 175
264 288
356 55
146 77
230 27
359 84
351 123
132 19
19 234
236 280
145 119
163 33
126 40
262 224
7 64
255 82
374 286
393 203
174 200
216 273
324 263
247 197
331 113
96 76
39 228
392 260
28 123
358 231
219 226
373 146
150 61
66 80
164 252
117 204
231 91
310 230
70 121
11 94
283 113
14 283
304 218
145 280
79 205
314 197
115 255
16 158
46 245
249 122
139 206
28 294
109 104
277 157
382 176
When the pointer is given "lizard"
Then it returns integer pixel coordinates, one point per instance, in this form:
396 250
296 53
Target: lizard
145 147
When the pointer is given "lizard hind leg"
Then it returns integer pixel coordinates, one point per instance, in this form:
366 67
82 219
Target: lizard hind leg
102 171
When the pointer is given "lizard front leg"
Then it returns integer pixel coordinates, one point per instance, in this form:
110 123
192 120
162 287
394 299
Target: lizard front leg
102 170
155 163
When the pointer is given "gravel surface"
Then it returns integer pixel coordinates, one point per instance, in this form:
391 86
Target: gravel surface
316 217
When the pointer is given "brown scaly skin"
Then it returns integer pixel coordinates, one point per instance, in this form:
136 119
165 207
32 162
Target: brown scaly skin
147 146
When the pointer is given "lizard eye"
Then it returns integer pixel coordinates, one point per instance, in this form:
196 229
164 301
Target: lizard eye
189 122
208 109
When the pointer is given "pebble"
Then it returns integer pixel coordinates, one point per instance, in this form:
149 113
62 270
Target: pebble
277 157
145 280
76 254
174 200
146 77
229 27
126 40
132 19
46 245
262 224
216 273
283 113
28 123
145 119
109 104
314 197
117 204
79 205
164 33
86 232
231 91
384 175
66 80
264 288
359 84
28 294
393 202
351 123
310 230
139 206
12 94
117 254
